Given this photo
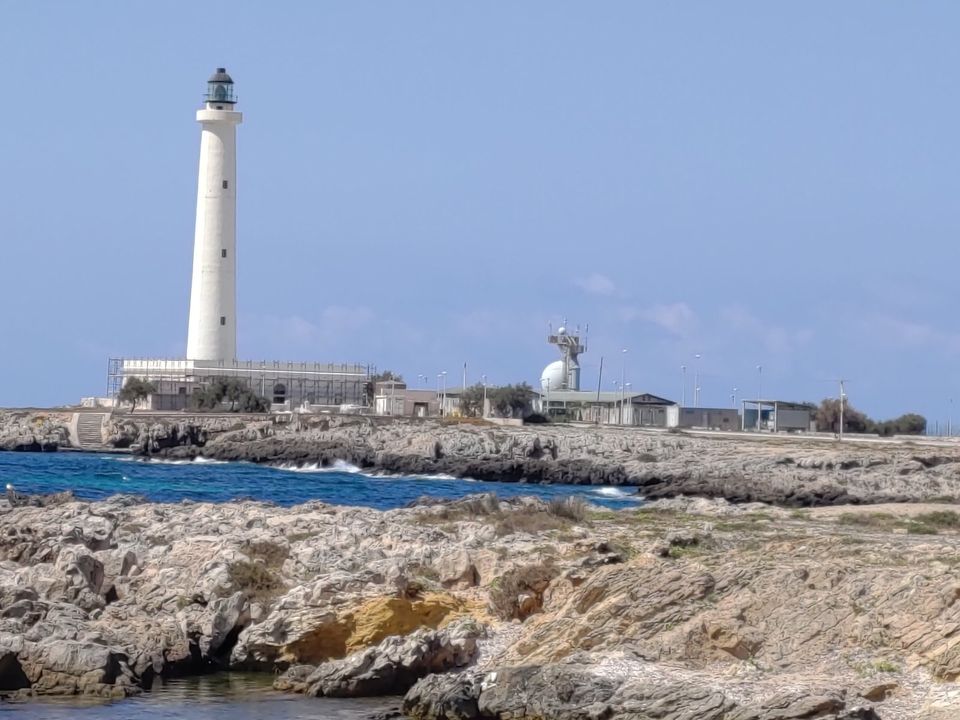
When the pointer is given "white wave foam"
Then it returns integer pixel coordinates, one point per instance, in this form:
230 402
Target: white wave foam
162 461
338 466
615 492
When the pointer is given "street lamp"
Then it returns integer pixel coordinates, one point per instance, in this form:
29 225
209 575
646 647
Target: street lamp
683 389
442 389
623 369
483 408
623 401
733 399
616 390
696 382
444 394
759 394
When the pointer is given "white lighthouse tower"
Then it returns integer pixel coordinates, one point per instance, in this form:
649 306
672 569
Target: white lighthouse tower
212 332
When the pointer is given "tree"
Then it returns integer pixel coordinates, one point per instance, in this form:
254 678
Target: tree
828 420
370 388
828 417
471 401
135 390
232 390
908 424
511 400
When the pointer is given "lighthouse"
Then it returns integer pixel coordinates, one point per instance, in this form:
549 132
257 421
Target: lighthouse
181 383
212 330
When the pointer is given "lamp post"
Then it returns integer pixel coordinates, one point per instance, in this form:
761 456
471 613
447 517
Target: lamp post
443 394
483 408
696 382
623 402
759 394
683 388
616 390
623 370
733 399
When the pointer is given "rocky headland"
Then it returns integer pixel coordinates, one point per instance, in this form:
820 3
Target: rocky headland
792 471
681 609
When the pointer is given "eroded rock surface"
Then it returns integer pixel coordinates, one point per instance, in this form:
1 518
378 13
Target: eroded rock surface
791 471
494 609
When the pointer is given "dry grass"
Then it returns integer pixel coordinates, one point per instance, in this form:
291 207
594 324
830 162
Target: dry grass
532 523
256 580
506 591
559 514
571 507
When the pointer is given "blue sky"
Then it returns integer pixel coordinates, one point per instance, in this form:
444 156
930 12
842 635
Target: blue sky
427 183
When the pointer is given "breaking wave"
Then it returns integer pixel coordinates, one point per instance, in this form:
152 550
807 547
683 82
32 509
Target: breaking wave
339 466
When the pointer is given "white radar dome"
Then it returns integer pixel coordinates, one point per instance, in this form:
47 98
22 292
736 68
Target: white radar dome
552 377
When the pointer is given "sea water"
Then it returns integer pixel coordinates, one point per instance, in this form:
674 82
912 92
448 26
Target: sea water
94 476
234 696
223 696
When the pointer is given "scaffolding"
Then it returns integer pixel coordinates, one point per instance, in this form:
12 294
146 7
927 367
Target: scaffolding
285 384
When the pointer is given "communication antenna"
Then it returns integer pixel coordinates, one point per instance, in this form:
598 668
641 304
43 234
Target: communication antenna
570 347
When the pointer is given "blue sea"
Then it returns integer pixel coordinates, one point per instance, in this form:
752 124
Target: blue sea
229 695
93 477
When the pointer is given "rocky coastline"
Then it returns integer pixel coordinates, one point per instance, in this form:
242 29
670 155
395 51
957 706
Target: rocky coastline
789 471
483 608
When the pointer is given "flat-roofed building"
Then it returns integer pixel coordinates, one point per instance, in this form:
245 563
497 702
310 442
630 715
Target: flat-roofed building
779 416
604 408
395 398
701 417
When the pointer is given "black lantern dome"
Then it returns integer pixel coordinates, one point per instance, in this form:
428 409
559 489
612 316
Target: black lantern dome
220 88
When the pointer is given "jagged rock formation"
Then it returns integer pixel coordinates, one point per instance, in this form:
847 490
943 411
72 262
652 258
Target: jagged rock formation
793 471
389 668
34 431
488 609
787 471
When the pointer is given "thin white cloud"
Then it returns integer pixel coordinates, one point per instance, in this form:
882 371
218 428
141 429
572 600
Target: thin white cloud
775 339
340 318
676 318
597 284
334 321
898 332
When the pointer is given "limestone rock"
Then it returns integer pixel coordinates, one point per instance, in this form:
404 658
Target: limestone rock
391 667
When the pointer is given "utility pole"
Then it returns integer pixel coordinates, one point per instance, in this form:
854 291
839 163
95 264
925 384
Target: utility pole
599 380
683 389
